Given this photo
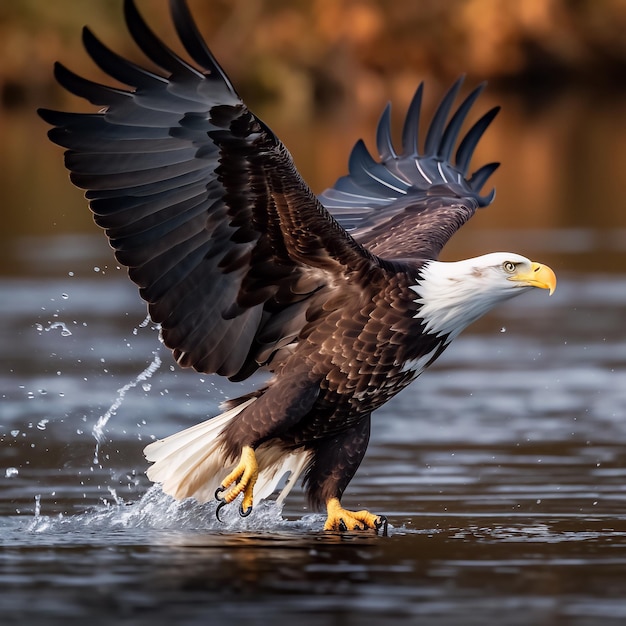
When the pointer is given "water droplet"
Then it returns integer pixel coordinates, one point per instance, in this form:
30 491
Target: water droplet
96 269
503 329
11 472
64 296
65 331
15 433
41 425
146 386
70 273
30 395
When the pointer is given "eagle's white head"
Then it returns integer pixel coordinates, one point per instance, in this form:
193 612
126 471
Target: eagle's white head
453 295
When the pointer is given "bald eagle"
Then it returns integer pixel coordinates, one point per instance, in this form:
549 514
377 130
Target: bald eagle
340 297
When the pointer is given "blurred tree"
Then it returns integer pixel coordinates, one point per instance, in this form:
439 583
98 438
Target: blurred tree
310 53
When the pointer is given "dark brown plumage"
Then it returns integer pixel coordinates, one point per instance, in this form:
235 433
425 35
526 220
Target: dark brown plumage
245 269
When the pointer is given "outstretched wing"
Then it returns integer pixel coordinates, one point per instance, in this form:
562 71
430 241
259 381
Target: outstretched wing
200 201
409 205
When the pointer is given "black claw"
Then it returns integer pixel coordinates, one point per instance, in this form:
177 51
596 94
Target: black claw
245 513
218 493
382 522
220 506
342 526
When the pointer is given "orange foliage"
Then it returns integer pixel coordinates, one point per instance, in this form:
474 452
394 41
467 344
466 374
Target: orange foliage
311 52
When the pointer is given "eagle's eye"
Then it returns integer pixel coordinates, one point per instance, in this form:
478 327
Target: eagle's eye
509 266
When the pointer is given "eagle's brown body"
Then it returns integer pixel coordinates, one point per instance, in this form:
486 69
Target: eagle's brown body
350 359
245 269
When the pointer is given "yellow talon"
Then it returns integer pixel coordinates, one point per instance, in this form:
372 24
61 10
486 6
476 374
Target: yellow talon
242 478
342 519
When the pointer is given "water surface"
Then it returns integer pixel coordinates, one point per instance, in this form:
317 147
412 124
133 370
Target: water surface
502 470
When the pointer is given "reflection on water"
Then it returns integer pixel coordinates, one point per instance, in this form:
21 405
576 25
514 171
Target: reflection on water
502 469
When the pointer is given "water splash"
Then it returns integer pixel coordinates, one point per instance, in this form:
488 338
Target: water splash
157 511
99 426
65 331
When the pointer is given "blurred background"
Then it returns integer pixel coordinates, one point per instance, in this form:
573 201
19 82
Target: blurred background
503 468
320 72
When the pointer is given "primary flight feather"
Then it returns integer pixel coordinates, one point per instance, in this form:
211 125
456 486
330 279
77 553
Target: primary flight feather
341 297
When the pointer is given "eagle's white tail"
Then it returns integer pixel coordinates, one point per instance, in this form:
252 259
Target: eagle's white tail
192 463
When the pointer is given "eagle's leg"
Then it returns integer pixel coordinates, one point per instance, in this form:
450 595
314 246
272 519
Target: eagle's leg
335 461
242 478
279 407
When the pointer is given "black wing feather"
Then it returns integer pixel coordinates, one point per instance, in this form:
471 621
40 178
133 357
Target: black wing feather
411 128
195 45
470 141
154 48
451 134
383 136
480 176
200 201
100 95
117 66
373 177
434 136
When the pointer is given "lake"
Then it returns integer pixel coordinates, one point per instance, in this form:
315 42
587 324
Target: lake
502 470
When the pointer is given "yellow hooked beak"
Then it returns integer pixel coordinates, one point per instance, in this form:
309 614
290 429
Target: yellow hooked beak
539 276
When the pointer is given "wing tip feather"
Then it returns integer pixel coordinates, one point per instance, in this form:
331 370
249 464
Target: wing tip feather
410 129
437 125
384 144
